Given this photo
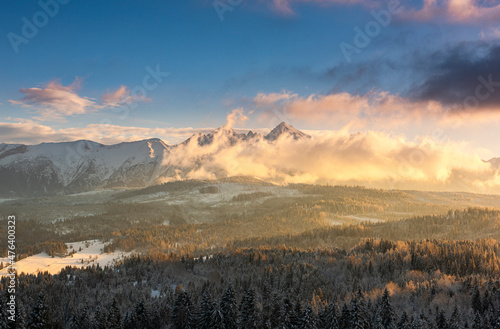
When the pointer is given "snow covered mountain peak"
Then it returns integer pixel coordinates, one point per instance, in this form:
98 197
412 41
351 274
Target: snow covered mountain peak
83 165
284 129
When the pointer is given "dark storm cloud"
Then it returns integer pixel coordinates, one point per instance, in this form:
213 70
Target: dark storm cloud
465 75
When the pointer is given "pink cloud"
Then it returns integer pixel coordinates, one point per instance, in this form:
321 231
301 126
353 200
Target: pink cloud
55 101
120 97
376 108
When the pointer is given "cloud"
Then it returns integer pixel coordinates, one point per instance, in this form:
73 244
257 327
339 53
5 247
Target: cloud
466 75
370 158
32 132
337 157
120 97
235 117
373 110
453 11
55 101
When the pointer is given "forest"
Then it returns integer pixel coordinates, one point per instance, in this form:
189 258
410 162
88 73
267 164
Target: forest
376 284
389 282
269 257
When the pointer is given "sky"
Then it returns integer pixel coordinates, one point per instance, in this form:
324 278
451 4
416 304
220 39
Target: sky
122 70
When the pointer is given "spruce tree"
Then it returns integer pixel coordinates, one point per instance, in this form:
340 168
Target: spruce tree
308 319
142 316
181 313
455 321
207 308
330 316
441 322
229 309
477 305
345 317
248 312
385 315
358 316
403 322
40 316
286 313
114 316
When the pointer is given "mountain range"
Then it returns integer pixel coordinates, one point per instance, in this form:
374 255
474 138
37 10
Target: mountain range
80 166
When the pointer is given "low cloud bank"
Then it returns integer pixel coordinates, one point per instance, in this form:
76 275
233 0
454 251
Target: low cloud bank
372 159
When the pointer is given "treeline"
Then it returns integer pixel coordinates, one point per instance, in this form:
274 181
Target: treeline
434 284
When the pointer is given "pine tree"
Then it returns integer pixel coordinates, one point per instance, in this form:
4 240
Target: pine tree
296 315
229 309
308 319
359 318
248 312
3 312
385 315
217 319
441 322
142 316
21 317
98 322
114 316
345 317
79 320
130 321
455 321
477 305
330 317
181 313
207 308
403 322
478 323
40 316
157 320
286 313
274 319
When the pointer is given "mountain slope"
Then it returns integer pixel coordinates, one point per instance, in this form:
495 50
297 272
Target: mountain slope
50 168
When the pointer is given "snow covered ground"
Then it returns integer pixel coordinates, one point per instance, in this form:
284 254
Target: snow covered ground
91 253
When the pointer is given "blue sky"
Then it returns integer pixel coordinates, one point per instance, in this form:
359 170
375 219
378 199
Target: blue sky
264 58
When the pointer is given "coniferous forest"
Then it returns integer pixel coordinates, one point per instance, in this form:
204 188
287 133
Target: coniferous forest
427 271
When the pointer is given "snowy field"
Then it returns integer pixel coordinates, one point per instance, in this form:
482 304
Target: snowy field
91 253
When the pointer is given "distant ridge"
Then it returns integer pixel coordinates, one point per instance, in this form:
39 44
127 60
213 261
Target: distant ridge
81 166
